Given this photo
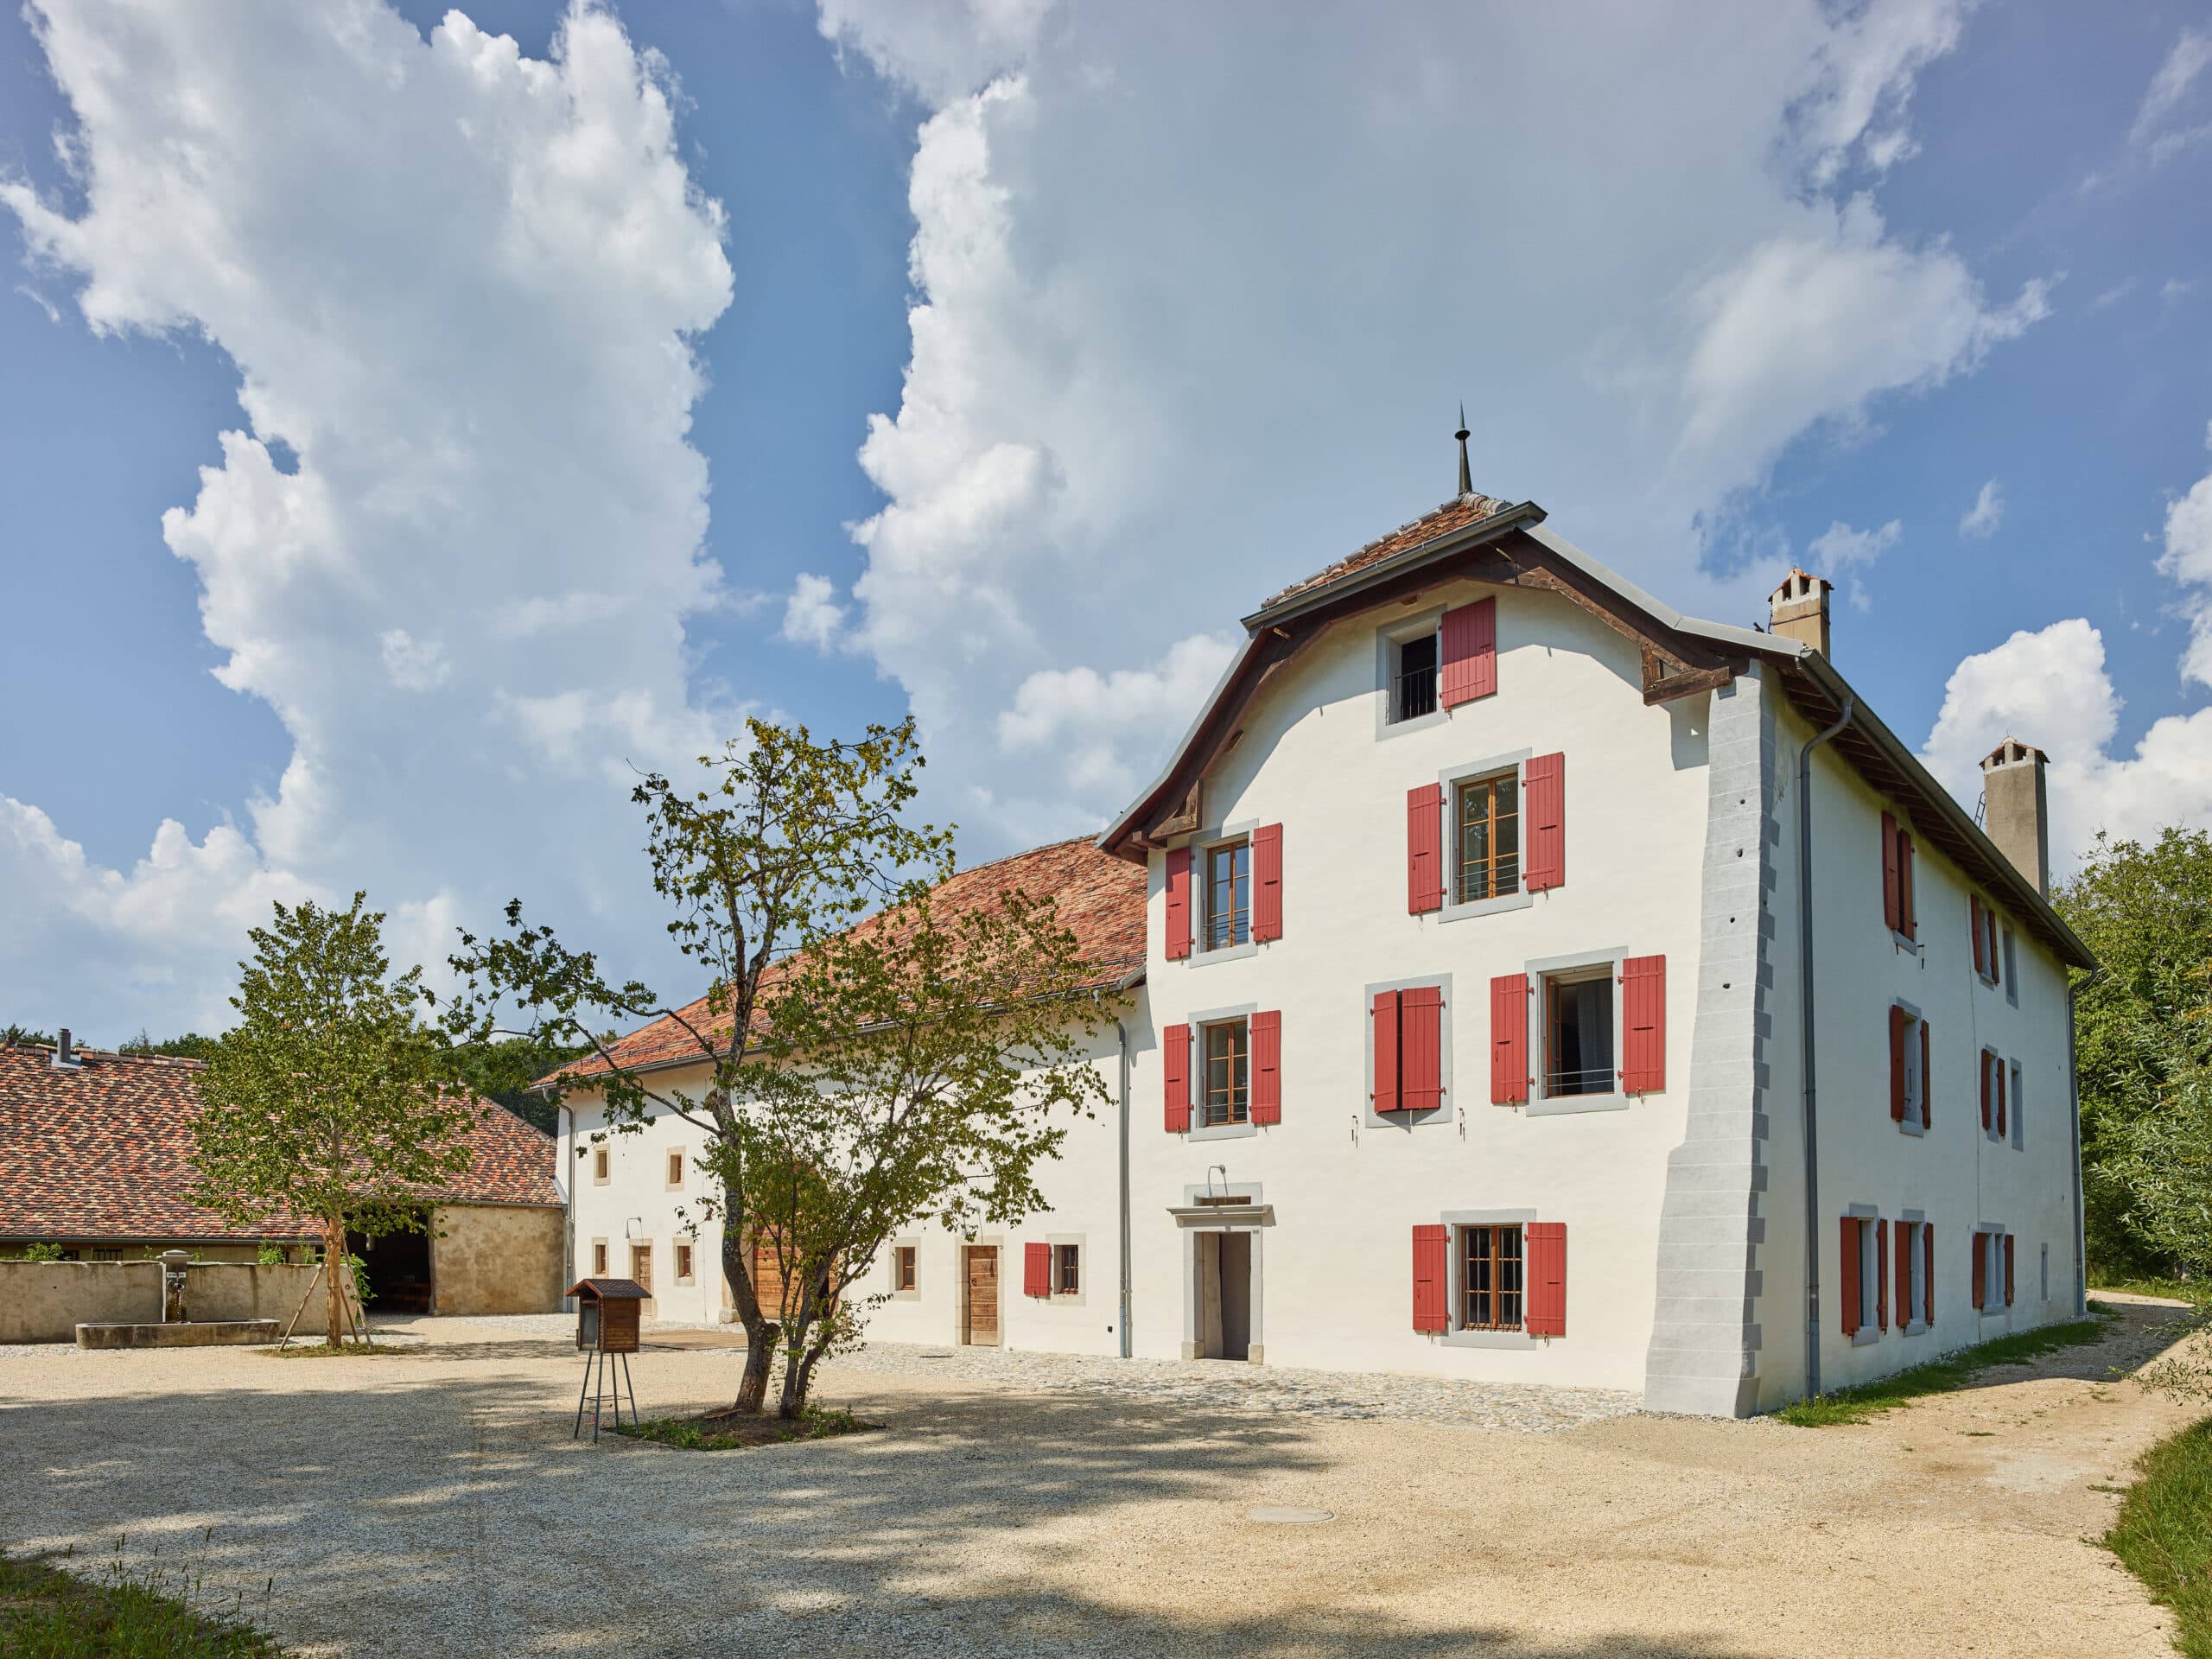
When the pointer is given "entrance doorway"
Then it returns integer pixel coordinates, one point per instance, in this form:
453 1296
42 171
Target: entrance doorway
979 1325
1225 1300
397 1266
641 1269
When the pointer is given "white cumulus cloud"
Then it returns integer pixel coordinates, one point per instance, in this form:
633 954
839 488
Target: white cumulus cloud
1843 554
811 614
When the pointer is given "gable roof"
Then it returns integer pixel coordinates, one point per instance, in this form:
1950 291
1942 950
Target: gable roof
1482 537
1100 899
102 1149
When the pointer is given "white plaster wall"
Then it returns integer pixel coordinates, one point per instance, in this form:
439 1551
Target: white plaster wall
1953 1174
635 1205
1336 1273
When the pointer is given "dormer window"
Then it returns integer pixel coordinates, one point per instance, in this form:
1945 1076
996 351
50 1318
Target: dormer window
1413 678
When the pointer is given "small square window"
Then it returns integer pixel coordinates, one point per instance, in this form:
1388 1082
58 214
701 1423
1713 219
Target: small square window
675 1171
1067 1264
601 1163
1491 1281
1413 678
599 1258
1228 1096
1229 895
1486 819
903 1267
1579 1032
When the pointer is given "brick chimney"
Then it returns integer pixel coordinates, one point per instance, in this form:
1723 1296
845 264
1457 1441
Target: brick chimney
2016 809
1799 609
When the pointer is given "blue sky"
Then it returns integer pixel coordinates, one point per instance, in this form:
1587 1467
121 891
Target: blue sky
559 358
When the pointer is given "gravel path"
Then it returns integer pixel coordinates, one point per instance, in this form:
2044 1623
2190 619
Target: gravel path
430 1501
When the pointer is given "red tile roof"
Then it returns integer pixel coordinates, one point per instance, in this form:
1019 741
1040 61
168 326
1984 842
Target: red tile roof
1452 515
104 1150
1101 901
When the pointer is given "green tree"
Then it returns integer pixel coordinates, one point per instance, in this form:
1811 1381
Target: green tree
855 1079
190 1046
327 1101
2145 912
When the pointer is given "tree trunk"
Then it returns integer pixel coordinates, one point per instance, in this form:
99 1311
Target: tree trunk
799 1363
760 1331
335 1264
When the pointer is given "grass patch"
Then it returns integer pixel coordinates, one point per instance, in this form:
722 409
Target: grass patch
729 1430
1944 1375
2163 1535
2194 1292
160 1610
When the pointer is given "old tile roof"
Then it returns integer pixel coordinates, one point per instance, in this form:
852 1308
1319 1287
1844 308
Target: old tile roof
1101 901
104 1150
1452 515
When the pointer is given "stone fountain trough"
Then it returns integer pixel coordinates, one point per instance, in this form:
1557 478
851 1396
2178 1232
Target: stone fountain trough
177 1329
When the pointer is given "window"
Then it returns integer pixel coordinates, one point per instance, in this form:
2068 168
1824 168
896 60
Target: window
1229 895
1579 1032
1067 1269
682 1264
1228 1096
2012 1107
101 1253
1993 1269
2011 970
599 1257
676 1170
1916 1276
1862 1296
903 1267
599 1165
1487 818
1413 678
1981 921
1897 878
1910 1102
1491 1278
1993 1113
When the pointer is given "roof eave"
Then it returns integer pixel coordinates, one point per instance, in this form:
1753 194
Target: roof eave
1523 515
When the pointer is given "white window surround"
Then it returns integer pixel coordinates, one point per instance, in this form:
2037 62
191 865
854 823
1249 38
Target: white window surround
1916 1083
1456 1253
1443 1112
1540 1105
2011 970
673 1163
1077 1297
1197 1020
1516 762
2014 1116
1870 1275
1919 1267
1989 1239
910 1243
1199 845
1388 638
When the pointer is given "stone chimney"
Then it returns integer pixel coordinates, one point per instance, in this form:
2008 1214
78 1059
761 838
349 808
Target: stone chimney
1800 609
2016 809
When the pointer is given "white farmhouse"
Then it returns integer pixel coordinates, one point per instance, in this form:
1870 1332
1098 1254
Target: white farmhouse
1535 985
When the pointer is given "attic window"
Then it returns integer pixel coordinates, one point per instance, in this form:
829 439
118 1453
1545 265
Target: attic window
1413 678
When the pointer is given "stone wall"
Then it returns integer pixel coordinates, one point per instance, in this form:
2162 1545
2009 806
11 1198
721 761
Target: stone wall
45 1301
492 1258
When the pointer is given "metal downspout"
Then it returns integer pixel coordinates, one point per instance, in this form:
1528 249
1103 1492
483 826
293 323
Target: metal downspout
1805 1006
565 1153
1122 1325
2074 1076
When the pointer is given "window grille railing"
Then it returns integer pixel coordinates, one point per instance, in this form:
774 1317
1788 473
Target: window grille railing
1499 880
1413 694
1588 1080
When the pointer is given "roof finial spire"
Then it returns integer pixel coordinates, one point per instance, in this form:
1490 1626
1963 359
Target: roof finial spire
1466 479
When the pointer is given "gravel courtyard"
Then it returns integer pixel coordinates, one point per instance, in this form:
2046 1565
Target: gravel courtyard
431 1502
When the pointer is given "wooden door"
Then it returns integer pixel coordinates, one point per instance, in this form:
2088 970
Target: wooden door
641 1269
982 1301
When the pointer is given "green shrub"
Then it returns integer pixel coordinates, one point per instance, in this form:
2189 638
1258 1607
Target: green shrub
2163 1535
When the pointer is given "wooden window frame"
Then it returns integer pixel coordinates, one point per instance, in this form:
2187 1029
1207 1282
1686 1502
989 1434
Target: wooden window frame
686 1261
1493 1299
673 1173
1604 973
1067 1269
906 1267
1235 1098
1215 934
1506 886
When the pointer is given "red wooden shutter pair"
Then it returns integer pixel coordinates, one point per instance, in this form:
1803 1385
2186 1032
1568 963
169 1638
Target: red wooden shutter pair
1424 849
1643 1011
1175 1067
1036 1269
1980 1270
1470 652
1902 1231
1267 1067
1546 1242
1892 878
1973 917
1179 903
1848 1279
1267 882
1408 1049
1432 1278
1543 859
1899 1022
1509 1038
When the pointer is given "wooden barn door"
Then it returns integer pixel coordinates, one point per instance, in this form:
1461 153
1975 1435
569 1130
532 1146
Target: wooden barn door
641 1269
980 1324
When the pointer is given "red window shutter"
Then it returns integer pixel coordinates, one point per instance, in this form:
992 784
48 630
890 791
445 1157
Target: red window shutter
1974 912
1469 654
1178 902
2009 1241
1267 881
1898 1020
1643 1009
1927 1081
1985 1091
1892 911
1386 1050
1266 1068
1906 924
1881 1275
1544 856
1928 1273
1546 1252
1509 1038
1980 1270
1903 1242
1424 849
1036 1269
1431 1278
1420 1049
1175 1066
1848 1279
